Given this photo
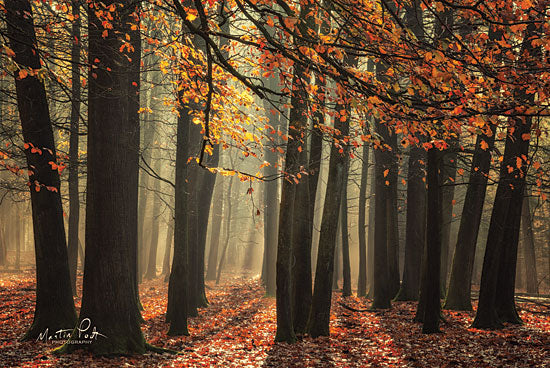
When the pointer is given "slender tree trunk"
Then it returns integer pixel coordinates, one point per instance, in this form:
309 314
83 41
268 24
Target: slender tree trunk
216 230
381 285
460 283
370 233
318 324
448 173
346 268
54 304
176 312
430 285
151 272
144 179
74 200
271 203
529 248
208 181
229 207
415 235
17 227
168 249
361 225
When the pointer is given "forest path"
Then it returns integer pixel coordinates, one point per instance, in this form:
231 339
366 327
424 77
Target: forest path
238 327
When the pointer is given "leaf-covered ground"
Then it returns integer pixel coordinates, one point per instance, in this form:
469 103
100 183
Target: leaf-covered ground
238 327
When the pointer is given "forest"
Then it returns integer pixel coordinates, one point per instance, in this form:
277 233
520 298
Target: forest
274 183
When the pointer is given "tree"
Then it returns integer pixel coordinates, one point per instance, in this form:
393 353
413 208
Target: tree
54 308
529 247
109 301
74 199
361 224
496 294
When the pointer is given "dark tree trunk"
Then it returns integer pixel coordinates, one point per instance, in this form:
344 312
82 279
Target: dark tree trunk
415 235
393 231
155 227
361 225
17 227
415 230
346 268
109 289
271 203
318 324
144 179
430 286
532 285
229 207
337 257
54 303
193 178
176 313
370 233
74 200
496 294
168 248
208 180
381 285
460 283
448 176
216 230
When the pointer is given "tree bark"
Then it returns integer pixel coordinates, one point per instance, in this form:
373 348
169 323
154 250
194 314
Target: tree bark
54 308
168 248
176 312
74 200
109 290
415 233
318 324
361 225
346 268
216 230
431 286
532 285
496 294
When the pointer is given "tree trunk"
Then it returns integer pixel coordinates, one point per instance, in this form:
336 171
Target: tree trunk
216 230
431 286
448 176
496 294
318 324
151 272
229 206
271 203
361 225
381 286
460 283
168 249
415 234
17 226
54 304
176 312
109 291
346 268
208 181
529 248
74 200
144 179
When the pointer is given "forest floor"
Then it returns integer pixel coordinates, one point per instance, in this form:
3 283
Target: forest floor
238 328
